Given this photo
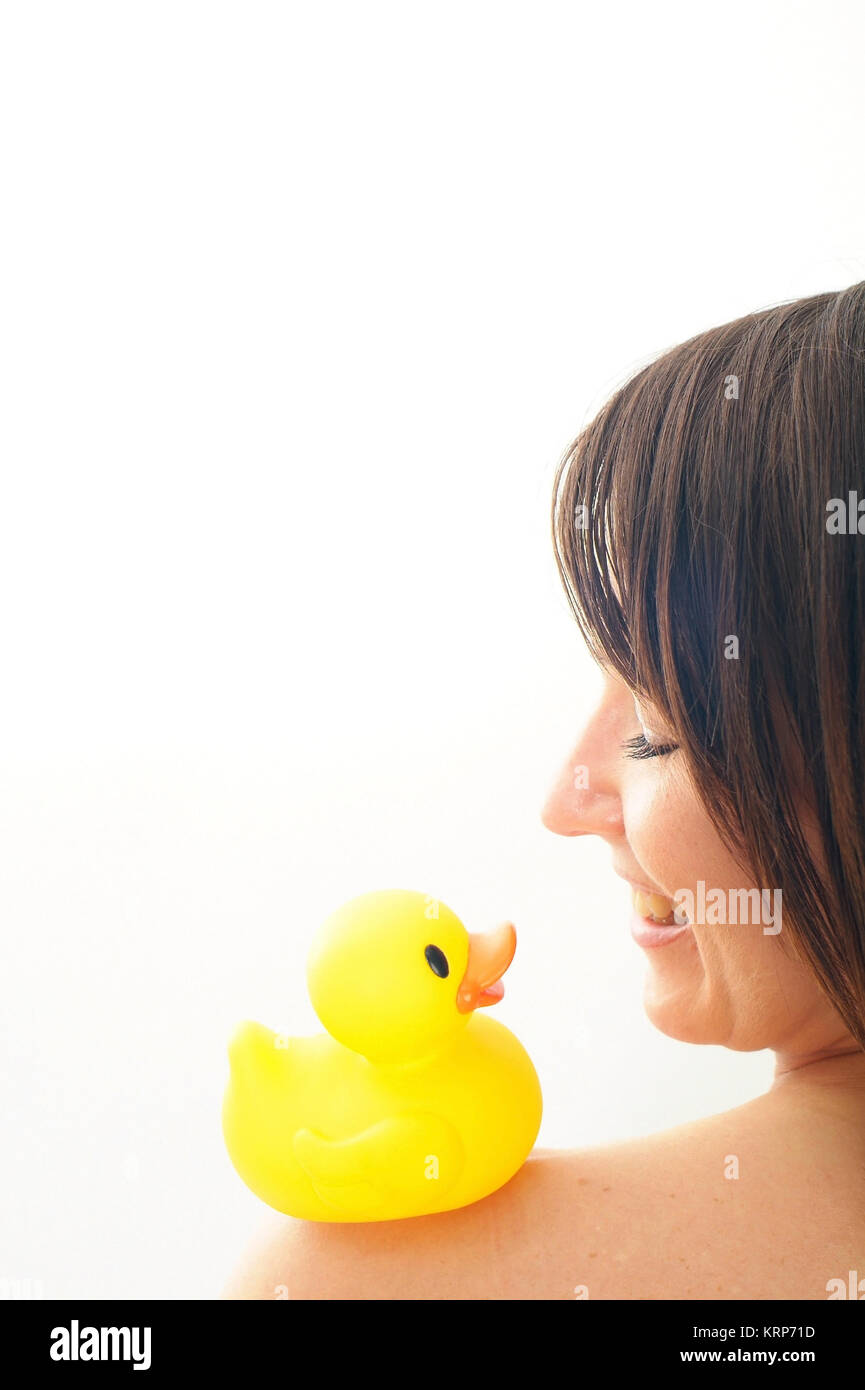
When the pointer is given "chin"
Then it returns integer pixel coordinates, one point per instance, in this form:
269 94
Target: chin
675 1020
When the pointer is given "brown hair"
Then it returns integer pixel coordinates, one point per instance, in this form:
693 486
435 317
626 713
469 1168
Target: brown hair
695 508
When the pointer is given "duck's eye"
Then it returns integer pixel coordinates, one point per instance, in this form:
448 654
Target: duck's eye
437 962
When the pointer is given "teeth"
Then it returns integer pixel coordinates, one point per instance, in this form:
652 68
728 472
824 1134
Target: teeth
655 906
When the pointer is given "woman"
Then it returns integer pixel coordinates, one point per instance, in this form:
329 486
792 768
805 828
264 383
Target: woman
706 527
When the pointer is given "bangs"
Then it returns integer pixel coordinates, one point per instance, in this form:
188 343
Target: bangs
640 537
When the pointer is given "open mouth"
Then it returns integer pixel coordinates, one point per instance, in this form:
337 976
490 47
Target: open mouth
656 908
654 922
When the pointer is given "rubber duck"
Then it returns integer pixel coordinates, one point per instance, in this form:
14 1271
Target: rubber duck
412 1102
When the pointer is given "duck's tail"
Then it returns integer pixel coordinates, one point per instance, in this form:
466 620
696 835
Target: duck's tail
257 1053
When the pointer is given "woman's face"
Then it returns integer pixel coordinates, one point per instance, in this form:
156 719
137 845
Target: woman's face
718 979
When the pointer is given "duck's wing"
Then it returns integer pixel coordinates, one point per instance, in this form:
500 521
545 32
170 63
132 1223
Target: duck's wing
407 1157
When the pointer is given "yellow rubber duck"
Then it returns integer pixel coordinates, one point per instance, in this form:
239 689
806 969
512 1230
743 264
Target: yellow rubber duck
412 1102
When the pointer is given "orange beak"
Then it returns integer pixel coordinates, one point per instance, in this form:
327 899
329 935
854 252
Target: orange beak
490 954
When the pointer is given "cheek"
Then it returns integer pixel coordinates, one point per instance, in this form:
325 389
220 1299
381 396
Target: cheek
677 845
667 829
740 987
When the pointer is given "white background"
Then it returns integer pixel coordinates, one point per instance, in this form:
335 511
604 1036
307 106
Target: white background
299 306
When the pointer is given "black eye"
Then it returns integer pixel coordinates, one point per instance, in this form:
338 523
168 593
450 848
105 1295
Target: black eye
437 962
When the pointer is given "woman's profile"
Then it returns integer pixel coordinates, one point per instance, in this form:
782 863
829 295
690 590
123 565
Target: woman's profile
709 528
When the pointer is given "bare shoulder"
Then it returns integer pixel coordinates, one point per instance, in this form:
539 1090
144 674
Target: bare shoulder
472 1253
723 1208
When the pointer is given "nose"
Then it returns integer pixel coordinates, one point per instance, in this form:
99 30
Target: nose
585 798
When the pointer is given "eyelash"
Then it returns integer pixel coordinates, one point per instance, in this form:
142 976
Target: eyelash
639 747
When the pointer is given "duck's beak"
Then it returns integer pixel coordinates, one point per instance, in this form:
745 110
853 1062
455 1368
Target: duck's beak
490 954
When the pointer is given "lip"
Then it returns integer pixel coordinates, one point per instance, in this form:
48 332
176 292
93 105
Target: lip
637 883
650 935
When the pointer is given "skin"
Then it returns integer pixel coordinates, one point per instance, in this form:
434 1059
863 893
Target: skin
591 1223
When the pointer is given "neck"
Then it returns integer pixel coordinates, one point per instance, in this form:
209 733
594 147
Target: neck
840 1065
